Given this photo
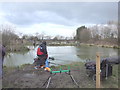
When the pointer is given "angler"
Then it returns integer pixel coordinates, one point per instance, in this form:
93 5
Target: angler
42 54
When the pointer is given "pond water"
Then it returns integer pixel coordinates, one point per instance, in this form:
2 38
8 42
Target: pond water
62 55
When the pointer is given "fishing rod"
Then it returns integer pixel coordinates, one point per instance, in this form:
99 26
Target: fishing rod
55 63
52 73
52 58
61 65
86 60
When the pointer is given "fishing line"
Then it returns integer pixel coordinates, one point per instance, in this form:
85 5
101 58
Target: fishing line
68 60
55 63
62 60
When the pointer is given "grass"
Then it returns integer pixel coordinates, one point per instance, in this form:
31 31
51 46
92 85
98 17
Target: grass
73 65
68 44
8 70
110 82
106 46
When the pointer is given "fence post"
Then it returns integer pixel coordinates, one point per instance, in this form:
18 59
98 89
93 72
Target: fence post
97 70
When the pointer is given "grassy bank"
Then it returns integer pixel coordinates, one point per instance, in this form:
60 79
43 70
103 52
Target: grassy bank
106 46
10 70
18 47
77 70
68 44
110 82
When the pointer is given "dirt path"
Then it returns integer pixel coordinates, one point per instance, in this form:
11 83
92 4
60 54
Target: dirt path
28 77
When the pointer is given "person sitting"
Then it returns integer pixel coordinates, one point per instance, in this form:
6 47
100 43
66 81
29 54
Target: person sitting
42 56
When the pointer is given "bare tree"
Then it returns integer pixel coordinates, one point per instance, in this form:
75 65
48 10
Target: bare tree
8 35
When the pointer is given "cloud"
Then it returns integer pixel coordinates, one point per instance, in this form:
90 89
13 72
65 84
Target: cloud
48 29
56 18
67 13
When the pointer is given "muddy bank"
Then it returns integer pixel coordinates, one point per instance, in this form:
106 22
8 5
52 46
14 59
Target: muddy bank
28 77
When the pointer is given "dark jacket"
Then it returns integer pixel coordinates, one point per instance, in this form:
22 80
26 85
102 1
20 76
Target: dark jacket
2 52
42 51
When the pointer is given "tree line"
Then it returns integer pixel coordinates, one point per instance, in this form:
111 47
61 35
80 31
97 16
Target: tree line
107 33
14 41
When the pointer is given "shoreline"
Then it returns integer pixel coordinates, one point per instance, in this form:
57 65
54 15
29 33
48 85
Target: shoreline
90 43
25 77
101 45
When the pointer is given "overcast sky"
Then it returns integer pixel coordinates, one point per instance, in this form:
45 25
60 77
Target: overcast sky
60 18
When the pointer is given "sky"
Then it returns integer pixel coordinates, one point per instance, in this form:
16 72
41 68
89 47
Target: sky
56 18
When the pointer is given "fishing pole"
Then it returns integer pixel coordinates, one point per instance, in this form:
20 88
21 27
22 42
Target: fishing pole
55 63
61 65
67 60
59 71
52 58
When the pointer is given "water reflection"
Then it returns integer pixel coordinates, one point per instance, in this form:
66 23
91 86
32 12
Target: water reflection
89 52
